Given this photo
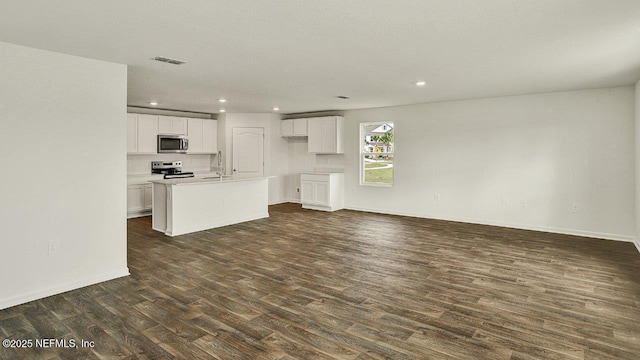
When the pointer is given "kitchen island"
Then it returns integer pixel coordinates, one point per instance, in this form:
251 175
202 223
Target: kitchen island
182 206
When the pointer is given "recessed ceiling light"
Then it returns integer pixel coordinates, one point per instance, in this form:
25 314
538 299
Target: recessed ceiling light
276 108
342 97
223 110
421 83
222 100
153 103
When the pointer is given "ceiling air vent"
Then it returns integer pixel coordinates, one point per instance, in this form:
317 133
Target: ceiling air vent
168 60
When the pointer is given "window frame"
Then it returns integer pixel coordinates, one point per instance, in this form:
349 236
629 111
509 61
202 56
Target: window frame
362 154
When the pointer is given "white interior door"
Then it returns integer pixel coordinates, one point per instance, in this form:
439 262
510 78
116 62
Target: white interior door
248 152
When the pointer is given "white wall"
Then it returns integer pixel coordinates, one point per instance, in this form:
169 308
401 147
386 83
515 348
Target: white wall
64 152
275 148
550 151
300 160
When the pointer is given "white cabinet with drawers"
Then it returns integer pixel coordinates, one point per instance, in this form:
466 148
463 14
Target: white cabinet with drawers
322 191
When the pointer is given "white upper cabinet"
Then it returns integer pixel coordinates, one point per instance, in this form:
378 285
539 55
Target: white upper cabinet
194 133
142 134
203 136
293 128
299 127
315 135
286 128
210 136
132 133
326 135
147 134
172 125
165 125
143 130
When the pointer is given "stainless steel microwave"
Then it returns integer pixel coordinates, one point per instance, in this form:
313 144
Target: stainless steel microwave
173 144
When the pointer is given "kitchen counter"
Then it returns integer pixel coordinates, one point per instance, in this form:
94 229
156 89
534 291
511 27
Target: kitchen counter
206 180
138 179
322 172
142 179
186 205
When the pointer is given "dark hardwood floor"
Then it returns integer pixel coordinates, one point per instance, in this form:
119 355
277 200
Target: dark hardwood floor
348 285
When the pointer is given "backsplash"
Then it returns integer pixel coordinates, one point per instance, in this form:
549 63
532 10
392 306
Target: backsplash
141 164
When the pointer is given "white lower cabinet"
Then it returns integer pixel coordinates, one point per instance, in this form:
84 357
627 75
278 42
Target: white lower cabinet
314 192
148 197
322 191
139 200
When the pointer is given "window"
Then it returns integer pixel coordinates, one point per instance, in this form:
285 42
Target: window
376 154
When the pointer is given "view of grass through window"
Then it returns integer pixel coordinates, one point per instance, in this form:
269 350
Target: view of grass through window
376 153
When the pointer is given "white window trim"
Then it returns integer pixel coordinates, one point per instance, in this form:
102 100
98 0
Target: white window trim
362 154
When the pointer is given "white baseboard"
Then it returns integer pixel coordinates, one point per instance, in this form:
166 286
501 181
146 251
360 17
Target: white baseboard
59 289
133 215
295 201
590 234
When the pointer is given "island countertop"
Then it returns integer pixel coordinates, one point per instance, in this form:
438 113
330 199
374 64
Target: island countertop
186 205
207 180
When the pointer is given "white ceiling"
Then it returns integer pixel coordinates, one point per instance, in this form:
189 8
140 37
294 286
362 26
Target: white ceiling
300 54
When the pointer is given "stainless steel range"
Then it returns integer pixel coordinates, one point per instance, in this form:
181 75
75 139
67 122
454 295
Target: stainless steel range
170 169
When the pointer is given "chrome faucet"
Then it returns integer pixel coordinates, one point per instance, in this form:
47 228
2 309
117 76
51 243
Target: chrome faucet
220 171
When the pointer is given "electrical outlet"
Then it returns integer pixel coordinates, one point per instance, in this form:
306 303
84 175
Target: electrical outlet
436 197
297 189
54 246
575 208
